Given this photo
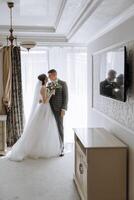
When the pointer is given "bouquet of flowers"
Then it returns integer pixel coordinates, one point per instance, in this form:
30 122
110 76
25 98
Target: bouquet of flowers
53 86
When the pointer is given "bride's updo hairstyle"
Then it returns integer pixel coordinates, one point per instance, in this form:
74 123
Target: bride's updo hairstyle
43 78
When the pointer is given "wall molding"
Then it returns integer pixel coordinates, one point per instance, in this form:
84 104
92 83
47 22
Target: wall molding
127 14
85 13
120 44
113 121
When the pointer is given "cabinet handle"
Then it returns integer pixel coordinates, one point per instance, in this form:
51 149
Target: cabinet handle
81 168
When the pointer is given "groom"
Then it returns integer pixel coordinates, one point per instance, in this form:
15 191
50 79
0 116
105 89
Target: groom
59 103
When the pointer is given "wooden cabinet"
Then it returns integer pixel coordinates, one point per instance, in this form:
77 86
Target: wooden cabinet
2 134
100 165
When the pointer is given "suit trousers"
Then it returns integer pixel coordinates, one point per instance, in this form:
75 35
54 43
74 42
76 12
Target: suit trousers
59 121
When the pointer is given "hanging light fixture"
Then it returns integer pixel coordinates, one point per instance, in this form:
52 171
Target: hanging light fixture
11 37
26 44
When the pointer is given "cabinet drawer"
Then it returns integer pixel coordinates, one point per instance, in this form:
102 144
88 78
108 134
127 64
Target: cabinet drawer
83 155
81 170
80 145
77 167
84 180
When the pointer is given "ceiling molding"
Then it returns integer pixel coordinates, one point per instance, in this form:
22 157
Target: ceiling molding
47 47
42 39
85 13
61 44
114 23
39 29
60 12
50 41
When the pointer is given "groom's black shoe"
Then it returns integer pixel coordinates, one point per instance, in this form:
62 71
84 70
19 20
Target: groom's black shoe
62 154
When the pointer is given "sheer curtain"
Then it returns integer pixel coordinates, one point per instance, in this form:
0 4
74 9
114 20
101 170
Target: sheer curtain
71 65
33 64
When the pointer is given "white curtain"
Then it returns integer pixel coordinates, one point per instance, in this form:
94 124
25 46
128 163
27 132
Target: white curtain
71 65
33 64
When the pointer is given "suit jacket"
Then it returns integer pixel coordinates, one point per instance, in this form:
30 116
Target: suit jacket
106 88
59 101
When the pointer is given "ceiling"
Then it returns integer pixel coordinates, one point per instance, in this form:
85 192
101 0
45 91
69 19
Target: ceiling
67 22
31 12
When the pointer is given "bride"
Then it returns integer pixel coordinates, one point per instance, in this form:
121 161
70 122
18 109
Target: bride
40 138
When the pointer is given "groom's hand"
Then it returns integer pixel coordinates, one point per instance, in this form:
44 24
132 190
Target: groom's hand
53 92
62 113
40 101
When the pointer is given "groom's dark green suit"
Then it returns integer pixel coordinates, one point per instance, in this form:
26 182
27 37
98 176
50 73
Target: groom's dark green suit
58 103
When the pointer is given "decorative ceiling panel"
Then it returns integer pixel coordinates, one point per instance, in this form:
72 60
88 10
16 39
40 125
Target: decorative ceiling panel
102 17
31 12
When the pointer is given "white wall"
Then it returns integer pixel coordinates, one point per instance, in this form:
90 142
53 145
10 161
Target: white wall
98 116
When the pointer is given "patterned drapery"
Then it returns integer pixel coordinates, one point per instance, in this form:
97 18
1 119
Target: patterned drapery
15 113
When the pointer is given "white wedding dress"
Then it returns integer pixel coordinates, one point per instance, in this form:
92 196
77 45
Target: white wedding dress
40 138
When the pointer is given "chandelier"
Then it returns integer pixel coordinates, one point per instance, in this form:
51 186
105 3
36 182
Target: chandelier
11 38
